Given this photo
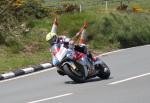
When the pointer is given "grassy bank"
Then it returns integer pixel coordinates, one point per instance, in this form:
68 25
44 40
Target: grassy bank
118 30
11 62
106 32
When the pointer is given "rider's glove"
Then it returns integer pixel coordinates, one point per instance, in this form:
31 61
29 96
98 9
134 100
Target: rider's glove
71 42
77 34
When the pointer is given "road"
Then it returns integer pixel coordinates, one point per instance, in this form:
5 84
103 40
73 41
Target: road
129 83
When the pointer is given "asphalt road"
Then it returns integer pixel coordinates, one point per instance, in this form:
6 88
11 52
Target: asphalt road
129 83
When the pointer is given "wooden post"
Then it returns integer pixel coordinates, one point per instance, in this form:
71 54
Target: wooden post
106 6
80 8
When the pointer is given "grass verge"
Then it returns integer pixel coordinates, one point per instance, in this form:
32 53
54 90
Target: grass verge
106 32
11 62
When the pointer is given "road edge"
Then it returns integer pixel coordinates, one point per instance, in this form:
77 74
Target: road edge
23 71
19 72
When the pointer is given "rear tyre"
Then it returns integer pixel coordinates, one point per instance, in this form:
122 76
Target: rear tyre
75 75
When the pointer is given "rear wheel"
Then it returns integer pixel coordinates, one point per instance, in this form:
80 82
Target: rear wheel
76 75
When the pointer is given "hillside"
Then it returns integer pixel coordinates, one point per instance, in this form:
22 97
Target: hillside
99 3
22 35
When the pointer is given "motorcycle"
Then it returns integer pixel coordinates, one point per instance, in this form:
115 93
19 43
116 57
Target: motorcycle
76 64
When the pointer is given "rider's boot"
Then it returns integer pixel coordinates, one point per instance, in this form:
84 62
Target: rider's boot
91 57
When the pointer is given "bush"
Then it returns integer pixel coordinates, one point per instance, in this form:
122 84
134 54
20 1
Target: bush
31 8
17 18
113 29
106 26
133 39
2 38
64 8
13 44
70 7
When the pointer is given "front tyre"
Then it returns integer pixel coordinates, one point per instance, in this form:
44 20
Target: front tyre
104 72
75 75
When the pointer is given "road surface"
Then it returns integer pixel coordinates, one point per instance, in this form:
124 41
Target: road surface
129 83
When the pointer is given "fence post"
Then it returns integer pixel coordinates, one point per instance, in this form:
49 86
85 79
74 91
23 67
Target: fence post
106 6
80 7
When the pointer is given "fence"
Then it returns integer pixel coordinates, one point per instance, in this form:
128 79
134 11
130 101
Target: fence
142 6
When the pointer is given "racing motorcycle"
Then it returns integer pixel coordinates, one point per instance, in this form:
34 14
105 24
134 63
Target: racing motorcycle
76 64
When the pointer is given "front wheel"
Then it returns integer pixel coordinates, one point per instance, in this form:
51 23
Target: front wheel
76 75
104 72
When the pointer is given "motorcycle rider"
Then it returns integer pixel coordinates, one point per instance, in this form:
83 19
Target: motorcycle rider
52 38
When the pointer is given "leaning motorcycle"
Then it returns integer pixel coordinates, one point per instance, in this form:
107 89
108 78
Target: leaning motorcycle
76 64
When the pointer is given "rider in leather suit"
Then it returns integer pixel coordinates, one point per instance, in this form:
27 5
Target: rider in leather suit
52 38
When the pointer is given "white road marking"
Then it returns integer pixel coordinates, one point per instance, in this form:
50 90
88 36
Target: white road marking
46 99
26 75
131 78
116 51
119 50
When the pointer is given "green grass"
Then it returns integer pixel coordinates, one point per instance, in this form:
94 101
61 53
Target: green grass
106 32
109 29
11 62
32 49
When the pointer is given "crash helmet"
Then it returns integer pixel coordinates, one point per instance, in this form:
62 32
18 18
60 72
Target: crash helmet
50 35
